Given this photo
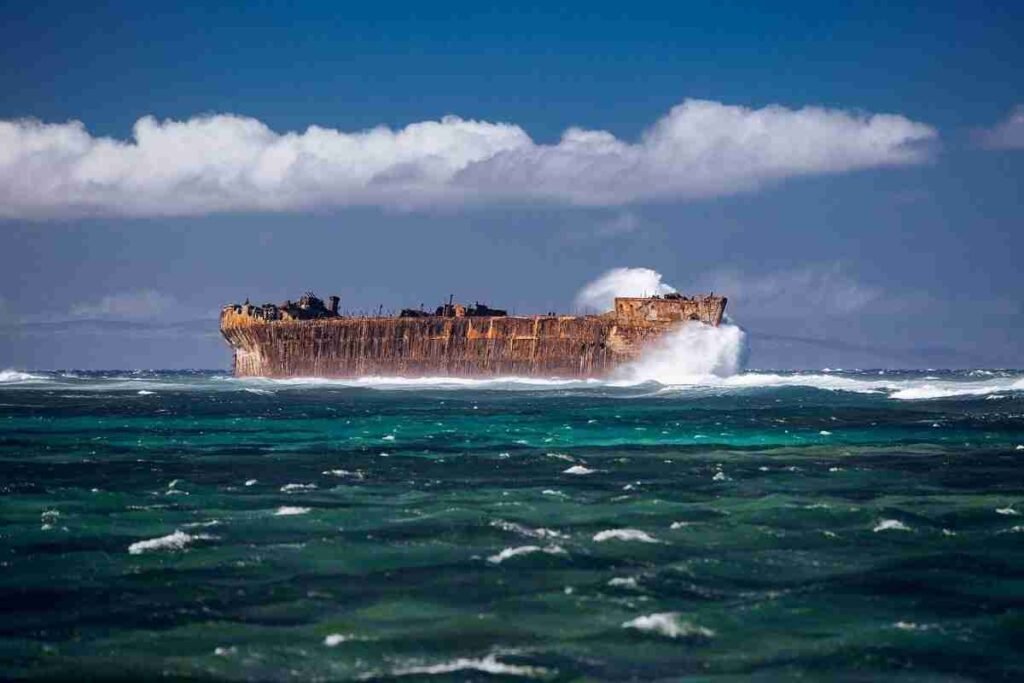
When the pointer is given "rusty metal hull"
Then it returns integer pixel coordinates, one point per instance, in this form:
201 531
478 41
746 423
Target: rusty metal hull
541 346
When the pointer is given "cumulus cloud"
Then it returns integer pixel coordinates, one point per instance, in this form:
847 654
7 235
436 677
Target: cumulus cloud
1007 134
219 163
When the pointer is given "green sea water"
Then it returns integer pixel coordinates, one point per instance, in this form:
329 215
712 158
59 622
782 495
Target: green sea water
821 526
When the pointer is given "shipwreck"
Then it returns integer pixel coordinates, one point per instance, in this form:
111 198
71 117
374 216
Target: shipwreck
312 338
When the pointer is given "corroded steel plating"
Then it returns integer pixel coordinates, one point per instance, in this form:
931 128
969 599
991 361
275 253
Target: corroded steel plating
311 339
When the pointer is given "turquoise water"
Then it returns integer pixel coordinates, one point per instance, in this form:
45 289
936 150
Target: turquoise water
834 525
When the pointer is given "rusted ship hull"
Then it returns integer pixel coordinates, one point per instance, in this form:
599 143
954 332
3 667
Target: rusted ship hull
483 346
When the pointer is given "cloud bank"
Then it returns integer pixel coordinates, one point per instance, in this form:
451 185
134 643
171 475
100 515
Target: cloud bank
228 163
1007 134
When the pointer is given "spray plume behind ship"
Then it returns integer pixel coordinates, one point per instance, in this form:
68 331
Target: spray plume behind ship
311 338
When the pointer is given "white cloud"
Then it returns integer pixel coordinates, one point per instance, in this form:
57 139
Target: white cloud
1007 134
805 292
223 163
145 304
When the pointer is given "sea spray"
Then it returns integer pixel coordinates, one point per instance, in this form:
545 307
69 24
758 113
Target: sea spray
694 354
599 295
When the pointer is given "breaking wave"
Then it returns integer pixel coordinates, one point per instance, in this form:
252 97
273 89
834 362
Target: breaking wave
694 354
15 376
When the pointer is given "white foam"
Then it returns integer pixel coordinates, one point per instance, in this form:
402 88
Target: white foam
1007 511
952 389
343 473
508 553
695 357
291 488
578 469
890 525
910 626
668 624
599 295
145 392
335 639
623 582
526 531
287 510
624 535
16 377
488 664
176 541
694 354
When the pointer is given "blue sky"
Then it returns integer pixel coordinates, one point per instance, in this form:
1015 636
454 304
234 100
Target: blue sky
842 244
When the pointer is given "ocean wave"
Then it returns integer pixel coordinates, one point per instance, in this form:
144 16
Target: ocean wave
896 385
526 531
17 377
508 553
488 665
668 624
176 541
288 510
675 382
624 535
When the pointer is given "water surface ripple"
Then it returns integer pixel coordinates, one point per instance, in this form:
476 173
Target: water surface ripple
826 525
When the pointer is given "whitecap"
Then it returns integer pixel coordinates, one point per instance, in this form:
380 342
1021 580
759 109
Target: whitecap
624 535
343 473
578 469
911 626
488 664
522 530
289 488
14 377
668 624
287 510
335 639
250 482
176 541
890 525
144 392
525 550
1007 511
623 582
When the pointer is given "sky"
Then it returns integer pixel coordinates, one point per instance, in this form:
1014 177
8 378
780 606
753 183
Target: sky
850 177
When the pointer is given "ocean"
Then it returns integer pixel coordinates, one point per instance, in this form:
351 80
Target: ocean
828 525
